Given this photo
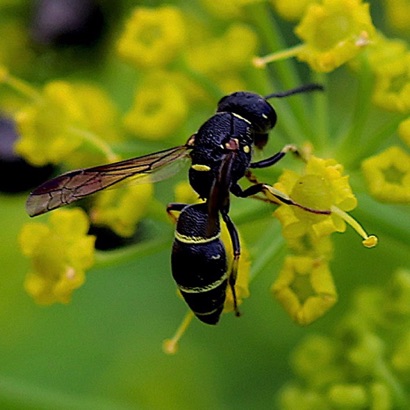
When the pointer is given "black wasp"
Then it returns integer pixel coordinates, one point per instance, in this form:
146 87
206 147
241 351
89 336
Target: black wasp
220 154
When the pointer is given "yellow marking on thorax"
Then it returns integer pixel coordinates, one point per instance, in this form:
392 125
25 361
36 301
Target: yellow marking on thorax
241 118
200 167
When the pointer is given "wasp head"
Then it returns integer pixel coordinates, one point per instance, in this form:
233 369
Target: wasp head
255 109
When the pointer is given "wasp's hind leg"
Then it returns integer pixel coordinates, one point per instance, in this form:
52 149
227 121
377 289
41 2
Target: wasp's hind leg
236 246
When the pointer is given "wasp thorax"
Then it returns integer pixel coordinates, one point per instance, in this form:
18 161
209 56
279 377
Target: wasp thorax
252 107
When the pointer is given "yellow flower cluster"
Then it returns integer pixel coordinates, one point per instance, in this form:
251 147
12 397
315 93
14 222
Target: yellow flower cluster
373 343
333 32
60 252
160 42
62 118
305 286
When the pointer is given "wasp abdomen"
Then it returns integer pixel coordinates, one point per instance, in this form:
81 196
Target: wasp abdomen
199 264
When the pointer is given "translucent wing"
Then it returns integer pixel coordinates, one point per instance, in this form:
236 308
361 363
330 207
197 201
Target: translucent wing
74 185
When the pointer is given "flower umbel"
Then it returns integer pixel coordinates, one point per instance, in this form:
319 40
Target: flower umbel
60 252
152 36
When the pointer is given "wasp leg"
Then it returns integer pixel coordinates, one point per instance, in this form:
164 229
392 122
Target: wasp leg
233 233
275 158
272 195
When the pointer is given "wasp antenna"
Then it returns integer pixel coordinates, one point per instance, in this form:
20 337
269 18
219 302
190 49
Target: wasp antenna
301 89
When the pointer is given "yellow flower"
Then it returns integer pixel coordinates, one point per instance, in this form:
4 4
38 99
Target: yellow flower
388 175
60 251
159 108
229 53
122 209
99 111
291 10
383 51
392 86
228 9
305 288
64 117
152 36
322 186
311 245
398 14
44 125
334 32
184 193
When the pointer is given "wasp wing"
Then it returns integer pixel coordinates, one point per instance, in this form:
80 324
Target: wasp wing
219 195
74 185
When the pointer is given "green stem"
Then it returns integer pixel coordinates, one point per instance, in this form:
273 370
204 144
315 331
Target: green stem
321 118
367 148
132 252
360 113
384 373
213 90
290 52
267 248
385 217
17 394
22 87
96 142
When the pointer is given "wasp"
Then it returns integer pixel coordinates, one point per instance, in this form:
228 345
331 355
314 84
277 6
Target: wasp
220 153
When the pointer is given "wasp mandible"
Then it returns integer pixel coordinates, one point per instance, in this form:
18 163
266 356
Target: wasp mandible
221 154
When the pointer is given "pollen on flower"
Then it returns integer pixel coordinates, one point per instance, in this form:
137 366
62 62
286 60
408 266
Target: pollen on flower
60 252
334 32
152 36
388 175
